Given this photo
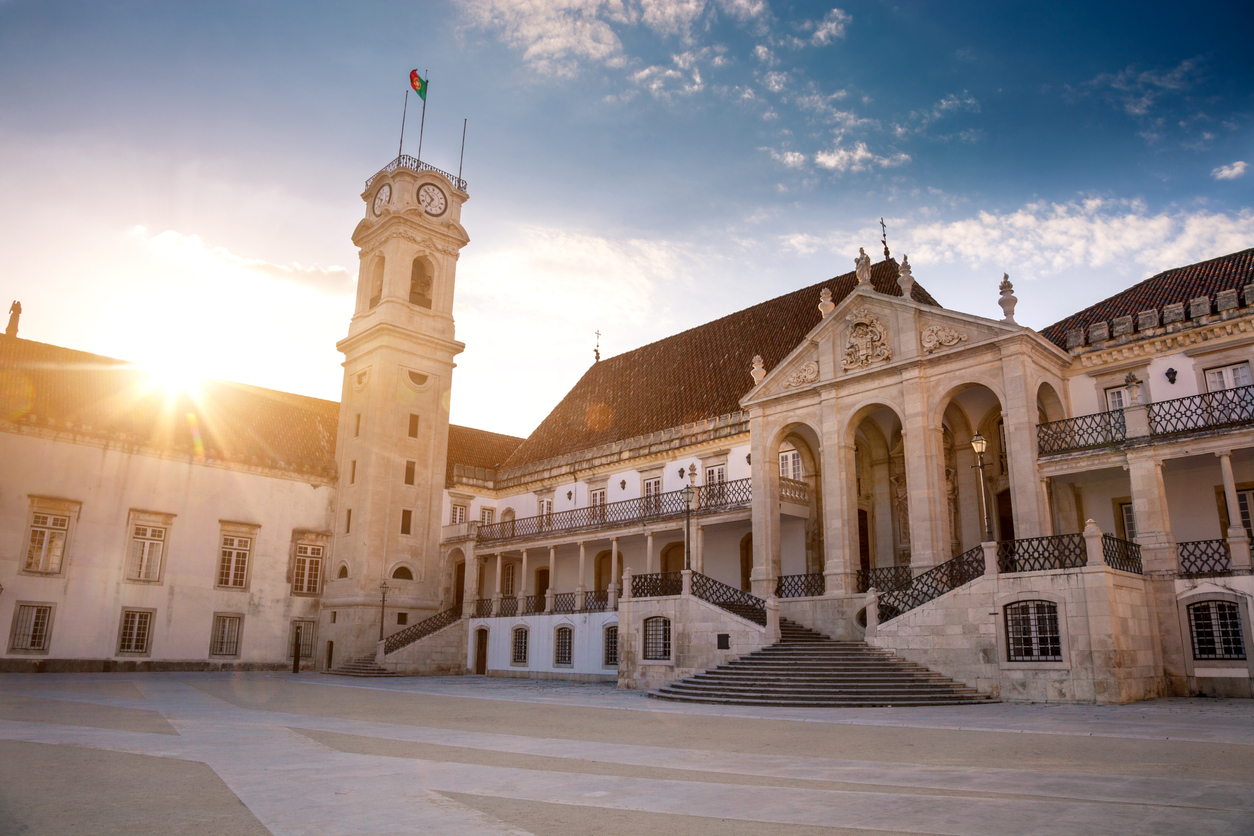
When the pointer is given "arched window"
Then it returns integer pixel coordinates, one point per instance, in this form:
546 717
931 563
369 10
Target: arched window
402 573
611 646
1216 630
343 572
518 651
1032 632
563 646
657 638
376 282
420 281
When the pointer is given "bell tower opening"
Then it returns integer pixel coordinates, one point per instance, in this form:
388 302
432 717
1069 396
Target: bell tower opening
421 279
376 281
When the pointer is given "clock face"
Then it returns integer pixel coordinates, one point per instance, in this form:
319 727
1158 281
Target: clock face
382 197
432 199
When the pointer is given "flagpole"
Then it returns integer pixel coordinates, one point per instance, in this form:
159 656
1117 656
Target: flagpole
423 122
463 156
403 112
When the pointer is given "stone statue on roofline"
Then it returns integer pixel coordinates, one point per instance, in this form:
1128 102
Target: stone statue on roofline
862 268
15 311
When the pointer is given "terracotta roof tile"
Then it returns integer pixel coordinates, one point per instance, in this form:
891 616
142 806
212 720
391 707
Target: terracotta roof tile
476 448
697 374
1180 284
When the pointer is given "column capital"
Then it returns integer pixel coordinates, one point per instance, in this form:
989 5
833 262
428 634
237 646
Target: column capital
1223 454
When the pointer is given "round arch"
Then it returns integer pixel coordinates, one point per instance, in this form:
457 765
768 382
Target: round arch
1048 404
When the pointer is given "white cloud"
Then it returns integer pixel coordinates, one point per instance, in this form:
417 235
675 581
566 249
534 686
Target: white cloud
1138 91
790 159
763 53
857 158
831 27
919 120
556 36
1229 172
775 82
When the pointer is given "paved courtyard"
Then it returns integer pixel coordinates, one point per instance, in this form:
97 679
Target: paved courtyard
312 754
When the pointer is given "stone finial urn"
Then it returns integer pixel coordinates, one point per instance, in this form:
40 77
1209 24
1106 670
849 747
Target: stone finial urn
758 371
905 279
1008 299
826 305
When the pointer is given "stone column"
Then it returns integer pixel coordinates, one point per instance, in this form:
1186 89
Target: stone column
648 553
496 596
1019 414
522 586
924 464
549 593
838 512
698 553
1093 545
1238 539
471 593
1149 506
626 596
581 590
612 587
764 467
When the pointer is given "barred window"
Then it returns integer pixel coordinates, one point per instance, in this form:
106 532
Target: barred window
518 656
46 545
1032 632
308 572
307 631
611 646
147 543
233 568
225 639
562 654
31 627
1216 629
657 638
136 631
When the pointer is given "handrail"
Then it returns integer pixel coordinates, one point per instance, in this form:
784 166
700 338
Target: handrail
1035 554
422 629
596 600
482 608
406 161
1204 558
883 578
729 598
564 602
800 586
1081 432
1121 554
657 584
1198 412
792 490
934 583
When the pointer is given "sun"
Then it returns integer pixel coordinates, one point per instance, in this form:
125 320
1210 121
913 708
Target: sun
174 375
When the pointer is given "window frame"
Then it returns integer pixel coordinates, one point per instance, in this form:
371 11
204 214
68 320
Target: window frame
297 557
407 522
568 631
1038 637
148 520
605 646
457 514
526 646
235 531
415 424
49 507
649 653
794 465
1217 609
1206 668
151 621
47 630
219 617
1001 602
1227 372
487 516
411 473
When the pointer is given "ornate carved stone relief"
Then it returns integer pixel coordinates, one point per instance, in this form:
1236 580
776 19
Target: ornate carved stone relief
866 341
938 336
808 373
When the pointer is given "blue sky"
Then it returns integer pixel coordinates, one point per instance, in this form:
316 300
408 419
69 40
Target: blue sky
180 181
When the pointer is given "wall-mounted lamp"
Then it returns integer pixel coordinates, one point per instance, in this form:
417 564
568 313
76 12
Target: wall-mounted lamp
570 494
681 473
1171 375
748 458
622 486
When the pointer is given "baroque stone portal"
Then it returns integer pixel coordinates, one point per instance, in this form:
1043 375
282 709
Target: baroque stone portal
866 340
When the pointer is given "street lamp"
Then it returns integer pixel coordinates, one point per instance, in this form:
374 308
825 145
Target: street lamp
383 587
689 493
980 444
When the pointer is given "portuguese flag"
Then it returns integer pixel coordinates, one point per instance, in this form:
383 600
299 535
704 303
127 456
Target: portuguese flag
419 84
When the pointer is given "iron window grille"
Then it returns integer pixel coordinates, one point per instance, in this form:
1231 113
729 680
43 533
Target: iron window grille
46 546
611 646
136 631
308 574
562 654
233 568
307 630
32 628
657 638
1216 630
225 635
1032 632
147 543
518 655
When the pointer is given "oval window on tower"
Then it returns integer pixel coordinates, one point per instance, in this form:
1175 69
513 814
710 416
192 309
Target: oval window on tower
417 379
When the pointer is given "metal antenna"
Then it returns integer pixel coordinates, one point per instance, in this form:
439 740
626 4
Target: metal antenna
463 156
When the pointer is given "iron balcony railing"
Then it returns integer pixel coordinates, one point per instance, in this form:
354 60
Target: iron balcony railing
533 604
1199 412
1035 554
1081 433
406 161
1204 558
883 578
423 628
934 583
712 498
791 490
1121 554
482 608
800 586
729 598
596 600
657 585
509 607
564 602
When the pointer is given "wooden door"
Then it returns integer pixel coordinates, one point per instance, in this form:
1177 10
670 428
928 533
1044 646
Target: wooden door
864 540
542 582
481 652
459 586
1005 517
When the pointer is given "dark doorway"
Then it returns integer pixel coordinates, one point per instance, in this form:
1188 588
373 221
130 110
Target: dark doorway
542 582
746 563
1005 516
330 652
864 540
481 652
459 586
673 557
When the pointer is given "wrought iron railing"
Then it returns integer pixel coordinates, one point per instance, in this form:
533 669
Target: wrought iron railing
934 583
713 498
1197 412
1081 433
1121 554
406 161
533 604
422 629
1035 554
482 608
883 578
1204 558
657 584
800 586
509 607
729 598
596 600
791 490
564 602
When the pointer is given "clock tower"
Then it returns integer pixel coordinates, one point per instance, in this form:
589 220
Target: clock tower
393 433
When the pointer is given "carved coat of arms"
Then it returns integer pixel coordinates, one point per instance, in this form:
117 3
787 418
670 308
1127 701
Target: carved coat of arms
866 341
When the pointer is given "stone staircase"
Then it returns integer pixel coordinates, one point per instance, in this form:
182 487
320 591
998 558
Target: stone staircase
806 668
362 666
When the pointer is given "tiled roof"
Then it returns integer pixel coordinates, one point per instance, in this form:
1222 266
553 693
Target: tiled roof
479 449
697 374
1180 284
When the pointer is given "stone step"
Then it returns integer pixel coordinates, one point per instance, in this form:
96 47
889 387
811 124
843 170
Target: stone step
853 702
362 666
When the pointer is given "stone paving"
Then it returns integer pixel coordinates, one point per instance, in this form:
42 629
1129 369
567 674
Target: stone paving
284 754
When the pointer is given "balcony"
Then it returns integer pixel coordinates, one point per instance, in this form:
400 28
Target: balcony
1083 433
406 161
710 499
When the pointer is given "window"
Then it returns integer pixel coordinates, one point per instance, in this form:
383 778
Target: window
146 544
407 521
308 568
348 521
357 426
597 497
652 495
545 509
233 568
657 638
715 485
352 472
458 516
1228 377
343 572
409 472
790 464
420 283
1245 503
1032 633
402 618
507 579
562 646
611 646
32 628
518 647
136 631
332 616
225 638
1216 630
46 545
1117 397
1129 520
715 474
402 573
413 426
487 515
596 503
308 631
